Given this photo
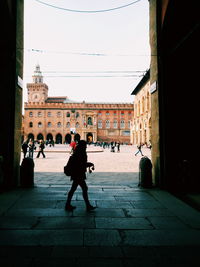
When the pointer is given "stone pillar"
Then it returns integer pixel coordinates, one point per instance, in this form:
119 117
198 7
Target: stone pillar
11 49
155 131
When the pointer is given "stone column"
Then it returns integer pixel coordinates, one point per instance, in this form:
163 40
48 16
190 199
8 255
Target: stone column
155 130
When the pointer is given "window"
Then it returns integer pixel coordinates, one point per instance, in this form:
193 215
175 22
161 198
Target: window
115 113
122 113
107 124
115 124
31 114
59 124
99 113
49 124
122 124
107 113
100 124
126 133
68 114
129 124
89 121
77 125
39 125
77 114
30 124
68 125
59 114
49 114
39 114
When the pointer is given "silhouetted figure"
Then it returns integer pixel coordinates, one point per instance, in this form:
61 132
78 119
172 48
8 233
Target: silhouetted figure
79 166
118 146
25 148
139 150
31 147
41 149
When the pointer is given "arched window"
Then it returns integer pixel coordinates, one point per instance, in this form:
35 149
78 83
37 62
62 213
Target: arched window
122 113
107 113
58 114
77 114
49 124
115 124
107 124
68 125
77 125
122 124
59 124
30 114
39 114
129 124
49 114
30 124
100 124
39 124
68 114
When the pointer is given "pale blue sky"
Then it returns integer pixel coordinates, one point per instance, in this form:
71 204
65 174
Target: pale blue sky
78 44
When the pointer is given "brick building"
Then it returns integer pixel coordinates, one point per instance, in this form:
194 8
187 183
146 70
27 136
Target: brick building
61 119
141 126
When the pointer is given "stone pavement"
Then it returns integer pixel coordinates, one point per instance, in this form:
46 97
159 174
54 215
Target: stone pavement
131 226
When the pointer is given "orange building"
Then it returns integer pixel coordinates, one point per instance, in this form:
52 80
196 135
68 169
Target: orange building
61 119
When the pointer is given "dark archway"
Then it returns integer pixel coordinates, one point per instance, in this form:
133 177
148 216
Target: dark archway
31 136
77 137
40 137
58 139
49 137
68 138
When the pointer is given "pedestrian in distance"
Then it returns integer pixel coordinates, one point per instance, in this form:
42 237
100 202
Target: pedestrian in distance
31 148
139 150
25 148
78 175
118 146
41 149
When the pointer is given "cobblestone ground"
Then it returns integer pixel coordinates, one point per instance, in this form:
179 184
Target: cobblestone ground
131 226
109 166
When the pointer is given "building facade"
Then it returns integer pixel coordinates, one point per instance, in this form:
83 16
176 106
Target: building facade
141 125
62 120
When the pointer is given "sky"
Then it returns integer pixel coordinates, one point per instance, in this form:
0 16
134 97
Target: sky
87 56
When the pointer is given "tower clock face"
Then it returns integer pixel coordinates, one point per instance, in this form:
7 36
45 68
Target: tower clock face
35 97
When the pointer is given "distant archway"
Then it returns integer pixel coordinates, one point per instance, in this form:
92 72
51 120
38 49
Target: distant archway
68 138
77 137
30 136
49 137
89 137
40 137
58 139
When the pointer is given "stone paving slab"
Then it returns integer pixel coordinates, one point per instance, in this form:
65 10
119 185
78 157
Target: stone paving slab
101 237
122 223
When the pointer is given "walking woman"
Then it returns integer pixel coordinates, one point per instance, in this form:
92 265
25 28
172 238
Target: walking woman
79 165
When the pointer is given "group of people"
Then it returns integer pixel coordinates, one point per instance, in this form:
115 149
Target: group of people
29 147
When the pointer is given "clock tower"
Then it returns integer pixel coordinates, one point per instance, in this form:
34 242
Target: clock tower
37 90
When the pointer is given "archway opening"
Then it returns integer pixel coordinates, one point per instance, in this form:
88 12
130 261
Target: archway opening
68 138
89 138
49 137
58 139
